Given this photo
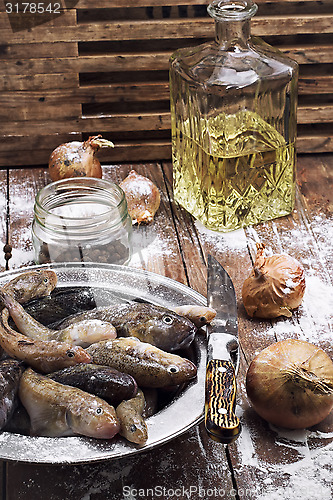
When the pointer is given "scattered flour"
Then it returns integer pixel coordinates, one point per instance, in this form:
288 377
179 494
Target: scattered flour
148 242
248 454
21 258
313 320
308 479
20 204
306 476
234 240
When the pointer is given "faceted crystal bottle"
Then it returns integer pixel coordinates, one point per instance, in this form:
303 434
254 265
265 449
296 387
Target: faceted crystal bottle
233 123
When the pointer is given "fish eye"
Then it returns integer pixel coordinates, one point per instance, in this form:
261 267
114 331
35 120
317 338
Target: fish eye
70 353
173 369
168 320
99 411
46 280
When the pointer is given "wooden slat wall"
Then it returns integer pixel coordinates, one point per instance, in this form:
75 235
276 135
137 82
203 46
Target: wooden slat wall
101 69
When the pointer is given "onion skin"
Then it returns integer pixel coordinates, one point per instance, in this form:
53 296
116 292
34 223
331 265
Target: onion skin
290 384
142 196
275 286
77 159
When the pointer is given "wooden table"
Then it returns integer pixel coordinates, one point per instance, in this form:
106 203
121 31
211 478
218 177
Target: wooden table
265 462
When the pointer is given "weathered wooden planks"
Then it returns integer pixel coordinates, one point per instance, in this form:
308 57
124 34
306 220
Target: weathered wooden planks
71 74
264 461
160 29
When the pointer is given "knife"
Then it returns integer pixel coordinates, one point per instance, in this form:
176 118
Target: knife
221 422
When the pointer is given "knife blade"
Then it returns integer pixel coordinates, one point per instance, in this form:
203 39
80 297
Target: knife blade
221 422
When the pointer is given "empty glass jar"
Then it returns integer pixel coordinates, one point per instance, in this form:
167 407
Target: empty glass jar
81 220
233 120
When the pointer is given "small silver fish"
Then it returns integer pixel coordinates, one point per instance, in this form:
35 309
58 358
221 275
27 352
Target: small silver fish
149 365
60 410
82 333
150 323
132 424
199 315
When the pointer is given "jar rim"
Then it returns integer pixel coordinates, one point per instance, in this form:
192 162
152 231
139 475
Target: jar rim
228 10
73 190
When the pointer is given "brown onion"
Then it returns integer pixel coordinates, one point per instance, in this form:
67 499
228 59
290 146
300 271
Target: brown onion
77 159
275 286
290 384
142 196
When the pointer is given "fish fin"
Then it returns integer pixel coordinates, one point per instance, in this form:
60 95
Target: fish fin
50 420
141 301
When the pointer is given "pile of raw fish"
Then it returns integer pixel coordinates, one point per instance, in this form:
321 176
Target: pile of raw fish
91 376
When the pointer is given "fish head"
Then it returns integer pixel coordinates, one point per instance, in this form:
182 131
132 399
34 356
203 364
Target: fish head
180 370
170 331
176 369
94 418
34 284
45 283
74 355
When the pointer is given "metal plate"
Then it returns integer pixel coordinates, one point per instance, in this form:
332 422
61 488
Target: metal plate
184 411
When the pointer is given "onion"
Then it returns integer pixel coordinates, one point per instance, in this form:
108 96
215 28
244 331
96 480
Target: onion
290 384
275 286
142 196
77 159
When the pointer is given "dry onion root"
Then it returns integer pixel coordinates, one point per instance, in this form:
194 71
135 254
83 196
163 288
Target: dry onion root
77 159
142 196
275 286
290 384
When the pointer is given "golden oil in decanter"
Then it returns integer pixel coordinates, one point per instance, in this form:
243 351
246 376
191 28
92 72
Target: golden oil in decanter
233 121
231 171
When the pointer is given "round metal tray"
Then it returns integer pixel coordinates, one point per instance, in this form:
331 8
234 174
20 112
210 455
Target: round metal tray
110 283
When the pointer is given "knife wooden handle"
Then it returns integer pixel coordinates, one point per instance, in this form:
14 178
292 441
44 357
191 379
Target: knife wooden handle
220 420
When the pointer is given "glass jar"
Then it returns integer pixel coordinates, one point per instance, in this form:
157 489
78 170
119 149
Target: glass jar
233 123
81 220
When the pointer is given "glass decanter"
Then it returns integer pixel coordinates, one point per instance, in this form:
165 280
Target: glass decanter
233 124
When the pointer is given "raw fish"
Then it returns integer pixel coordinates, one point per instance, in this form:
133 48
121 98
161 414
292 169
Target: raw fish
45 356
150 323
132 424
60 410
82 333
150 366
10 374
103 381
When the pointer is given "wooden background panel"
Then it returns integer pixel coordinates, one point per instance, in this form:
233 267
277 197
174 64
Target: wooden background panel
161 29
138 61
104 4
16 83
108 73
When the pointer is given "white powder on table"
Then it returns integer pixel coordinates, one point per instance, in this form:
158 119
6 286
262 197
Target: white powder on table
234 240
151 241
313 320
305 476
